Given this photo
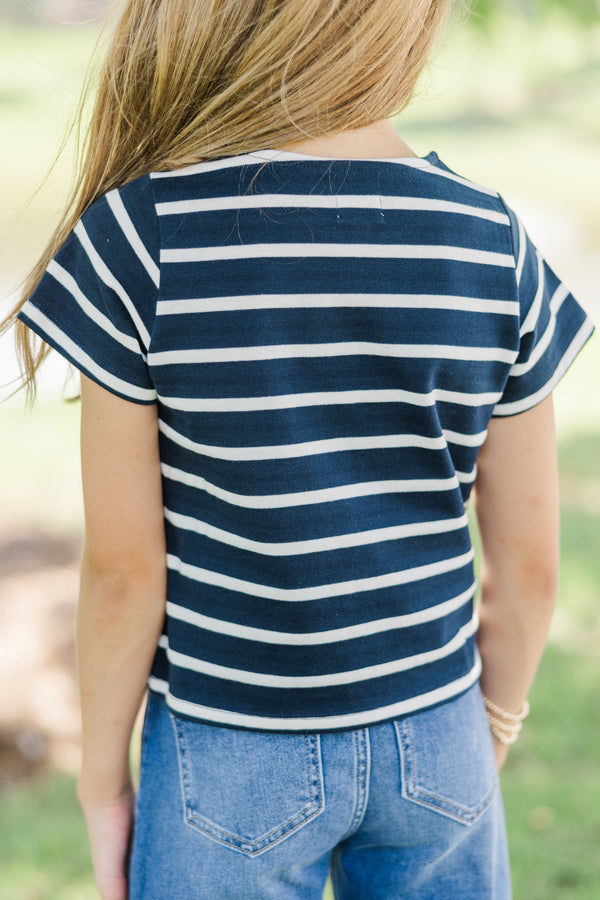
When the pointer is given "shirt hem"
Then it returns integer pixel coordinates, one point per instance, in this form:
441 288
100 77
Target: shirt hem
318 724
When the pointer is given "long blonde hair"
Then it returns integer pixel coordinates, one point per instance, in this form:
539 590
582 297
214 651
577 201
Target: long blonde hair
189 80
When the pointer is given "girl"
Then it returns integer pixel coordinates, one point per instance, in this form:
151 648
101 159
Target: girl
303 349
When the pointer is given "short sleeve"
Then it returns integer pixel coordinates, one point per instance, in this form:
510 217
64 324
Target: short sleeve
96 302
553 328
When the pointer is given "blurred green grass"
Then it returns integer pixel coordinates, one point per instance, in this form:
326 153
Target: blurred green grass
43 853
530 128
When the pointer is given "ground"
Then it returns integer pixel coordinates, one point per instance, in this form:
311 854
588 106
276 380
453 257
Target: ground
39 718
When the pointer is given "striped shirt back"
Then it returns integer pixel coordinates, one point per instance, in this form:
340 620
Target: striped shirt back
326 341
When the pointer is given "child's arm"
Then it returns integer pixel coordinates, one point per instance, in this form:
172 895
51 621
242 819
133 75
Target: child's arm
121 610
516 494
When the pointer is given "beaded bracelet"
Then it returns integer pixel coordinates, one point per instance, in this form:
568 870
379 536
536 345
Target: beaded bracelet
505 726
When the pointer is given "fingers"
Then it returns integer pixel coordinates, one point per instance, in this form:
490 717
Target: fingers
110 829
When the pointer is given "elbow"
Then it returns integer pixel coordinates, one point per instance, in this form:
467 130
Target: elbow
121 576
526 585
539 577
107 556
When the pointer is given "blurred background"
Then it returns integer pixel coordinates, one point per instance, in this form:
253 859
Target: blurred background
511 100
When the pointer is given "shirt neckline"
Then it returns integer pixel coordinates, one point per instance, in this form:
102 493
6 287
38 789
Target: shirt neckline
419 162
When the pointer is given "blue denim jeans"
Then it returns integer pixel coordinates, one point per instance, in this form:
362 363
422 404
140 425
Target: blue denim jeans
408 809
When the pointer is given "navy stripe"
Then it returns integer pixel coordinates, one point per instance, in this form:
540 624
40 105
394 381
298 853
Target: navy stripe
387 326
321 614
272 276
338 701
340 373
309 661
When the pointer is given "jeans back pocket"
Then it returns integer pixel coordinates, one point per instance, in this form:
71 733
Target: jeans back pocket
448 760
248 790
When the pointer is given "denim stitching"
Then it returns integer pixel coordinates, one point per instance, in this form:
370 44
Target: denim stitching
313 808
363 767
316 770
183 768
444 805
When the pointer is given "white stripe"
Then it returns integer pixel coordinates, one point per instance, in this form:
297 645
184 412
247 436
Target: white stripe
518 406
464 440
197 356
82 359
326 301
415 162
308 448
327 398
321 723
355 251
209 165
322 591
330 201
122 216
306 498
353 676
92 312
317 638
316 545
258 156
534 311
559 297
467 477
110 281
522 251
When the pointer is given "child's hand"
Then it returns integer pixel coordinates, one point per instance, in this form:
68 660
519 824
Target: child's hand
110 829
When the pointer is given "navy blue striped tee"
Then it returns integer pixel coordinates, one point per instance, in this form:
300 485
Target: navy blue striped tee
326 341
